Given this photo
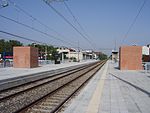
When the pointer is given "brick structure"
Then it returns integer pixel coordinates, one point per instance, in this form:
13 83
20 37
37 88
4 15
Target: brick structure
130 58
25 57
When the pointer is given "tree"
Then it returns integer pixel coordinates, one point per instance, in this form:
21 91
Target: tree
2 45
7 46
51 51
102 57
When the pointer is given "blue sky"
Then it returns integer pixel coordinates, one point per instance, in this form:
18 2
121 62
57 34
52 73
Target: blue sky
103 20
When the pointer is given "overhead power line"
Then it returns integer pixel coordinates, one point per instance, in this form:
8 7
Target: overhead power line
76 20
67 21
133 22
21 37
32 28
35 19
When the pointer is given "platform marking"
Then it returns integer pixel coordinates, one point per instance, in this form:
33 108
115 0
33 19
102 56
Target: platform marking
93 106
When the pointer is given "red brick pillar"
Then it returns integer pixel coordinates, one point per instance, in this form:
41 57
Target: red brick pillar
130 58
25 57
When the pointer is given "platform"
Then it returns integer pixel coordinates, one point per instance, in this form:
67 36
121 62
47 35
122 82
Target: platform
10 72
11 77
114 91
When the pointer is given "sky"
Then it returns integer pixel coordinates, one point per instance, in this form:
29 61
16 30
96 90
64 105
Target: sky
104 21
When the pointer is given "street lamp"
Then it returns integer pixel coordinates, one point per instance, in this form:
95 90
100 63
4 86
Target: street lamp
45 52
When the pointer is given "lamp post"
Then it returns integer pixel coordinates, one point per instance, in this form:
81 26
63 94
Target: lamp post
45 52
78 52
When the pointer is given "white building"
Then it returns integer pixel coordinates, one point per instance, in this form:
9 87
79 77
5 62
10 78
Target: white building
115 55
145 50
78 55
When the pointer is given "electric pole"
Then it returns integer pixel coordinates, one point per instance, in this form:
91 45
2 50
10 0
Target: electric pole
78 51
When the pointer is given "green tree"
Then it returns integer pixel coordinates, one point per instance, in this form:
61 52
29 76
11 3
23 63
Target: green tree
102 57
7 46
51 51
2 45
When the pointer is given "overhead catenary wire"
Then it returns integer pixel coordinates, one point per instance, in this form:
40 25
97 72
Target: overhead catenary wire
21 37
76 20
35 29
133 22
67 21
34 18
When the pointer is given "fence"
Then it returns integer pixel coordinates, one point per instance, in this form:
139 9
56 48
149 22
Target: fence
41 62
45 62
10 63
6 64
147 66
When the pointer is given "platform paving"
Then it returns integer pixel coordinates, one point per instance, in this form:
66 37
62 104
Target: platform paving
10 72
114 91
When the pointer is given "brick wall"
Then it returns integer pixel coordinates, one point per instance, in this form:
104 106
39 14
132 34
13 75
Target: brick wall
25 57
130 58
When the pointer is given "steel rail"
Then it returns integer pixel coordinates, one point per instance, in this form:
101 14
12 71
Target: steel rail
53 77
24 110
14 100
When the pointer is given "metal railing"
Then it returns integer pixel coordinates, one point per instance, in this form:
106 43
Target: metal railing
45 62
10 63
6 64
147 66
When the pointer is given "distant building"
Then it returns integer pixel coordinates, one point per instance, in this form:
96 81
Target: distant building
79 55
148 45
146 53
115 55
97 55
145 50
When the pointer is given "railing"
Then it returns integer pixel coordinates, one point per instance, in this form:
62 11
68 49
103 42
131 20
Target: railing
6 64
147 66
41 62
10 63
45 62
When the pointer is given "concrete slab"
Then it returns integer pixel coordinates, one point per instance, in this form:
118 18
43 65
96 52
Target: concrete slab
122 92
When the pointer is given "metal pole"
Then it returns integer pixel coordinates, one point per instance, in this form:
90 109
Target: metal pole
4 57
78 51
45 52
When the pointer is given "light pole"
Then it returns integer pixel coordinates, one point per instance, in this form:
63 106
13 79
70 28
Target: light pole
78 51
45 52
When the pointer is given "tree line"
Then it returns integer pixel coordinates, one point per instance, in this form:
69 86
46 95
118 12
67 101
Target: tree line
49 51
7 46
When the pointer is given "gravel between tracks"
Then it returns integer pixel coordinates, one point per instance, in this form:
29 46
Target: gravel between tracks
18 102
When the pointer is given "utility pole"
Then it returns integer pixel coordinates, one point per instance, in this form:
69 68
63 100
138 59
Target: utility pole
115 45
45 52
78 52
62 55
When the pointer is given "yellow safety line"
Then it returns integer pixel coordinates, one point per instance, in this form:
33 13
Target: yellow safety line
93 106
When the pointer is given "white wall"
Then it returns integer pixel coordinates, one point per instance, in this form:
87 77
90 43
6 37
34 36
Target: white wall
75 54
145 50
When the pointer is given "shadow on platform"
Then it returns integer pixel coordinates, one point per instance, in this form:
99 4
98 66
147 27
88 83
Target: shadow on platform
138 88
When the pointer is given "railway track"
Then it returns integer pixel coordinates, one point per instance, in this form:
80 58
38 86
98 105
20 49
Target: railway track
10 92
46 95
